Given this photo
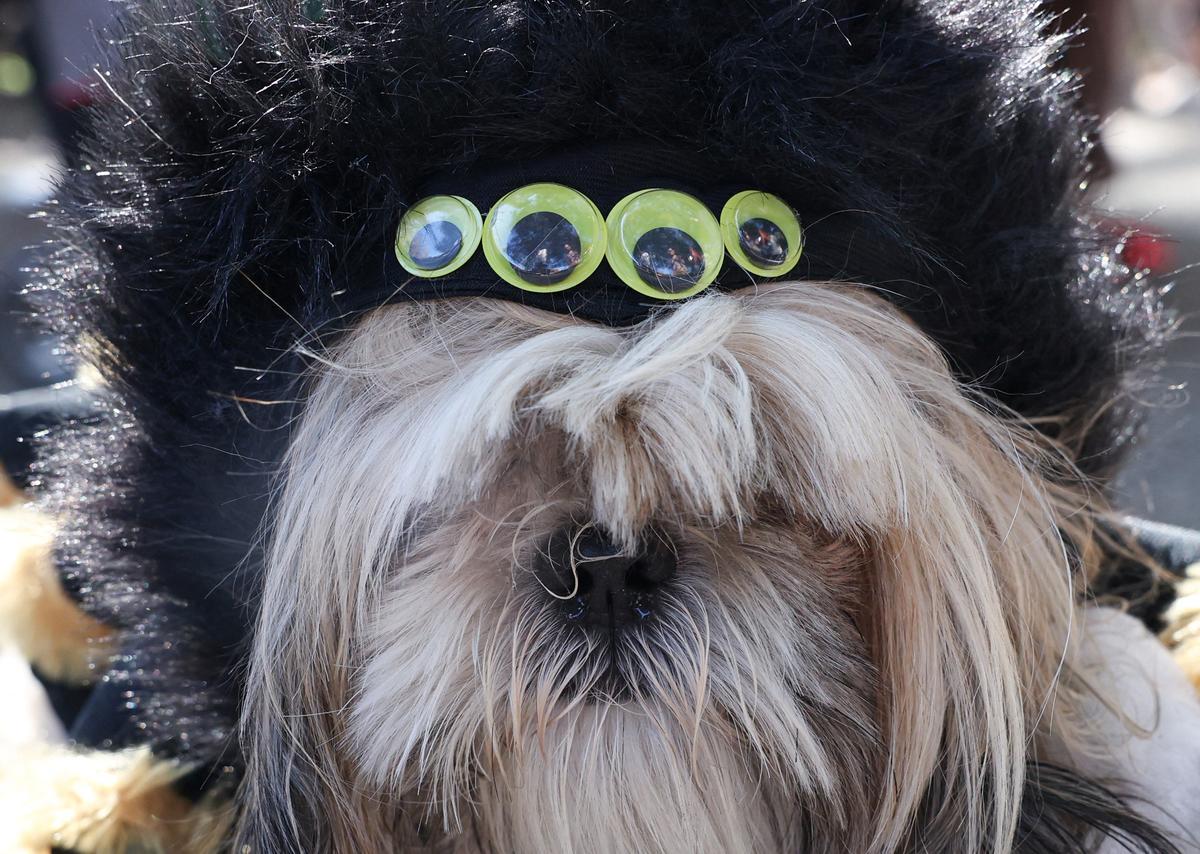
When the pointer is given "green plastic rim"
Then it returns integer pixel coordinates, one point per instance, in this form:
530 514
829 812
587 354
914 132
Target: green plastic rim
456 210
639 213
545 198
749 205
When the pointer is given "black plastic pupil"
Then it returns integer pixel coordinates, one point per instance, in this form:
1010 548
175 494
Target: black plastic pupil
435 245
763 241
668 259
543 248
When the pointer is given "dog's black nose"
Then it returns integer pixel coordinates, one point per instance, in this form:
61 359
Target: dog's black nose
599 584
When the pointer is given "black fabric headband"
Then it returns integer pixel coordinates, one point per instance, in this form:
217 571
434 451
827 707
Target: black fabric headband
605 174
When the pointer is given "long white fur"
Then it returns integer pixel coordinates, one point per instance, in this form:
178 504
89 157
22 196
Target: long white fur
873 596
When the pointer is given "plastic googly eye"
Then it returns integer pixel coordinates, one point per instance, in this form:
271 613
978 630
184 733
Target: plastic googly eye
438 235
544 237
664 244
762 234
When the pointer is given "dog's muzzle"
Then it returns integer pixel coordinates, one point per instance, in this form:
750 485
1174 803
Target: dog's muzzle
597 583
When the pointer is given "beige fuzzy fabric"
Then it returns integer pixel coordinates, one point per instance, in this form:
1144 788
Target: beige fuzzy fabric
8 492
96 802
51 795
1183 625
36 616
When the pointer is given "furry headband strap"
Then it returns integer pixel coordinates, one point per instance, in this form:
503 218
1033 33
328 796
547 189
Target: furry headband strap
604 174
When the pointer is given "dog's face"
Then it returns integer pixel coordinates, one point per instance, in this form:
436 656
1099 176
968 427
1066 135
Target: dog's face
756 574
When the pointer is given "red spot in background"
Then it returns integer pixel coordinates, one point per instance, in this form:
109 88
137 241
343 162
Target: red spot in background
1141 249
1146 251
70 95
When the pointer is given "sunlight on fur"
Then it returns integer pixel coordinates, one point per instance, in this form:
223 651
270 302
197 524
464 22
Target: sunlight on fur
869 636
102 802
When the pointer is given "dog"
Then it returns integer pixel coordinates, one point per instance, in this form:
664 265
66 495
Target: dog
440 559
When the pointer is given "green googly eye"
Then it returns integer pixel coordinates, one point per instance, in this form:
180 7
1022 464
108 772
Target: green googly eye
664 244
438 235
762 233
544 238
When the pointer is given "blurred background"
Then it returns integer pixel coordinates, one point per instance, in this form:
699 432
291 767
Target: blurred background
1141 60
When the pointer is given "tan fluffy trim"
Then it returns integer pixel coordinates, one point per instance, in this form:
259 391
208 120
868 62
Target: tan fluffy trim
36 616
1183 625
8 492
96 802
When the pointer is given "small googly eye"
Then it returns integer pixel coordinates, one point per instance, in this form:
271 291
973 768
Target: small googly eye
664 244
544 237
438 235
761 233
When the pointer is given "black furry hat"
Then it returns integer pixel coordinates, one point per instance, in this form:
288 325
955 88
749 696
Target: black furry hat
247 162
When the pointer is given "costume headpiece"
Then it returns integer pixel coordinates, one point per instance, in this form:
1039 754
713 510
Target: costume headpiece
603 232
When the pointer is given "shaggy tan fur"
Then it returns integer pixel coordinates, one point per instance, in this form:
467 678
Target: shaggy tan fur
870 633
36 616
97 802
1183 625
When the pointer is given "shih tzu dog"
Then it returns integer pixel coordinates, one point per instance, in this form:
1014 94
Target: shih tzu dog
602 427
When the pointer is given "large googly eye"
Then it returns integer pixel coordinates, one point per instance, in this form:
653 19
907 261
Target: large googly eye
664 244
762 233
438 235
544 237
